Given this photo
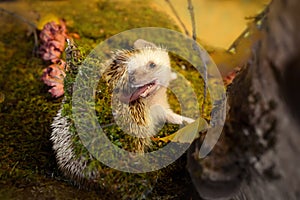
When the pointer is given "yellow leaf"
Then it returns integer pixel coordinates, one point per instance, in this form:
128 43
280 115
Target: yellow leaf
46 19
188 133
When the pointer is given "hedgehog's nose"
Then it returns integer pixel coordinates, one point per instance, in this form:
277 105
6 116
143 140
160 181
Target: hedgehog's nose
131 79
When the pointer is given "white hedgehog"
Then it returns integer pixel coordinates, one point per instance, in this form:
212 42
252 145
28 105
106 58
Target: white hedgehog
140 78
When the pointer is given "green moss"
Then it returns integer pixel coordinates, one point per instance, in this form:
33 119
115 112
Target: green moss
28 164
26 111
113 180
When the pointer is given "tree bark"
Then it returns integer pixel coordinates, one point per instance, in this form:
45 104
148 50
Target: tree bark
258 155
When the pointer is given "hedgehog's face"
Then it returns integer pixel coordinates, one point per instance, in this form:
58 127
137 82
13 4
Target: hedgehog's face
148 70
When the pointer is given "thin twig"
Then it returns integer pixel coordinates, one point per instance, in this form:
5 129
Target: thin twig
177 17
196 48
108 125
32 25
192 14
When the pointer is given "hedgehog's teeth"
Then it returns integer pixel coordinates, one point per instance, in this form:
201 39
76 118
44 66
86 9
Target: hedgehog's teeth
144 94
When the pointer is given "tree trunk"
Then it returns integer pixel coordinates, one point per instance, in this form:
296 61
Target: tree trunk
258 155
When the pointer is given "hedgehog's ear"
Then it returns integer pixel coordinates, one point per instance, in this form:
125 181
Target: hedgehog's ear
140 43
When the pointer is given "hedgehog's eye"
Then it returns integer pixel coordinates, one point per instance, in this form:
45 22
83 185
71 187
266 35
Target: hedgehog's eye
152 64
117 90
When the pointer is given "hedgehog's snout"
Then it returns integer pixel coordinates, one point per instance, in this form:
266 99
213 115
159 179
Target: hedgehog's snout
131 78
139 77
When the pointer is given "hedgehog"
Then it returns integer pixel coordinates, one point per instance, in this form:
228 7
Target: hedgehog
139 79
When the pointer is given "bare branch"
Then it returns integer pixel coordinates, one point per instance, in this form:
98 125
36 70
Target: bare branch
196 48
177 17
192 14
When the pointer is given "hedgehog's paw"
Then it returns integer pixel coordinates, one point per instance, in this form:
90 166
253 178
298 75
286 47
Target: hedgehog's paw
174 118
188 120
173 76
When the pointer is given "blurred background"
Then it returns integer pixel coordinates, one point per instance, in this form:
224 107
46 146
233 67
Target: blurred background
218 22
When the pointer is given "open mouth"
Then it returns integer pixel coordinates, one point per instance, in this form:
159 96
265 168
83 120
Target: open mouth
140 91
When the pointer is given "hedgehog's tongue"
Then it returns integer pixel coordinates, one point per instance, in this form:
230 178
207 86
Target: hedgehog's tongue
140 91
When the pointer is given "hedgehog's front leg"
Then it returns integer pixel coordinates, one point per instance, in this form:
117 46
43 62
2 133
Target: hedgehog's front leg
174 118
